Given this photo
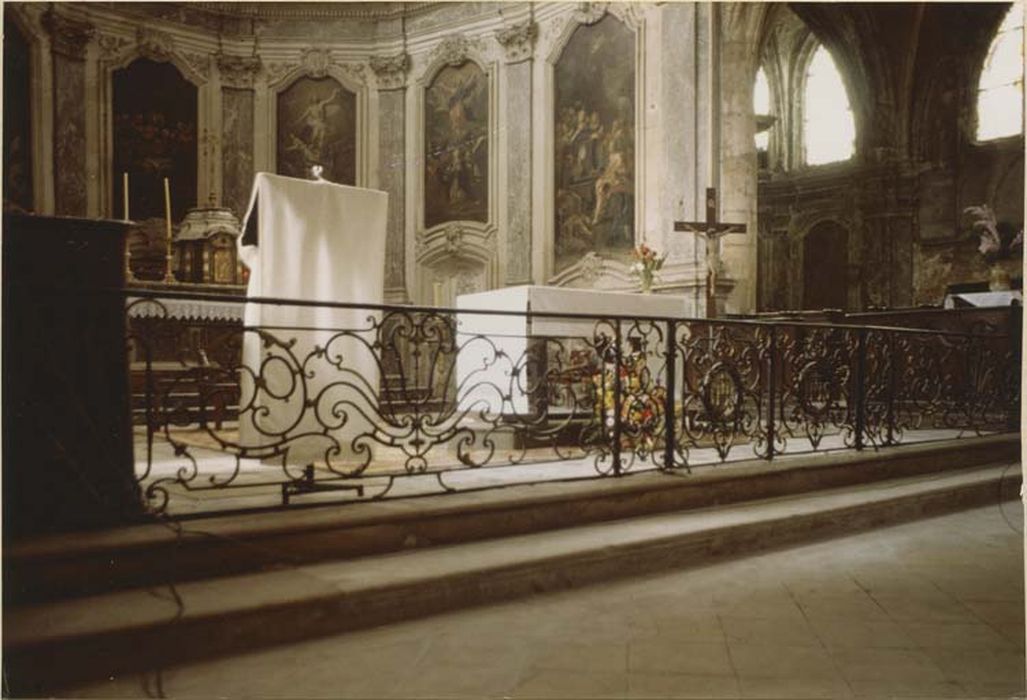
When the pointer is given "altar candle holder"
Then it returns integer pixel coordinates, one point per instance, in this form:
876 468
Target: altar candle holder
169 275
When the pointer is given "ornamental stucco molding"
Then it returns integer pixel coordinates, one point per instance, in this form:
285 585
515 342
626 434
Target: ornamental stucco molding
199 63
454 50
155 44
590 12
68 37
112 46
391 70
518 40
316 62
591 267
238 71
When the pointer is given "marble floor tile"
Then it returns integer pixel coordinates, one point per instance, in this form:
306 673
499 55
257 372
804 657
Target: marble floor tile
762 661
668 655
797 687
835 632
676 685
551 683
905 665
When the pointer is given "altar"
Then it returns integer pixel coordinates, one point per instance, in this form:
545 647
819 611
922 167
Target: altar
505 358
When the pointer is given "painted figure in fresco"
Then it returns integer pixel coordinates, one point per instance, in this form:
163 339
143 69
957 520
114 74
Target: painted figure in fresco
317 126
594 142
456 141
315 119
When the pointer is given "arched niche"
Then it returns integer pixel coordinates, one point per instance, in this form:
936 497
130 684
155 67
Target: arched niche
154 128
18 130
316 124
594 142
825 263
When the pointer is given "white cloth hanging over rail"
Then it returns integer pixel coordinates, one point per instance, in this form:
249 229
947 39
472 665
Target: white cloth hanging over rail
313 241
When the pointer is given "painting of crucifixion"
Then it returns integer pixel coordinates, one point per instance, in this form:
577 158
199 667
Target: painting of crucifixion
317 125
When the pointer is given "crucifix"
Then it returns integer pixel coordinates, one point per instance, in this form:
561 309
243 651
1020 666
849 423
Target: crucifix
711 230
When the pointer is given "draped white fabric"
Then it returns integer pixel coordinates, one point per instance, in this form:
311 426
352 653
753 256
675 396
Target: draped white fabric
309 378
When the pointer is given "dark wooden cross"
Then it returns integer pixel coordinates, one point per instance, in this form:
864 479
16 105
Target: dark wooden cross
711 230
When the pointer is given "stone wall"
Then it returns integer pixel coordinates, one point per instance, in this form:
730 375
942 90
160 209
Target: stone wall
243 57
911 74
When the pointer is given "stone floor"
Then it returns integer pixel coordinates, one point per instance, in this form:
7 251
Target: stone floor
933 608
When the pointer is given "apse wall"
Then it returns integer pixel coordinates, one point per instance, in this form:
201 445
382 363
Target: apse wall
518 143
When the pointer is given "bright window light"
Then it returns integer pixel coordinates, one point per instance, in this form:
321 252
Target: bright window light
761 105
828 126
1000 92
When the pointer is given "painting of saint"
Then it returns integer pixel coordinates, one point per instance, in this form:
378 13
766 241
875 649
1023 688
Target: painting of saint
595 142
317 125
456 159
154 138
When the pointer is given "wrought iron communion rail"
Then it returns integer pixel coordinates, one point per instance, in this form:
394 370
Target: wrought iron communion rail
312 401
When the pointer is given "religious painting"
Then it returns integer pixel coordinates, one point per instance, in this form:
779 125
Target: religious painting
317 125
456 159
237 148
17 145
154 138
595 142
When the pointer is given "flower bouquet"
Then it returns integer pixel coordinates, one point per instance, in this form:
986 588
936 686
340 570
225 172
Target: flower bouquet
647 264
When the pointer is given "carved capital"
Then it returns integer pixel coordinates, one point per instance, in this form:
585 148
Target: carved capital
238 71
590 12
154 44
454 240
68 37
391 70
199 63
518 40
315 62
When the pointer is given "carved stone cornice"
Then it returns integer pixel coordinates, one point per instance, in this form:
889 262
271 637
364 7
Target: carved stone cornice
315 62
68 37
238 71
590 12
391 70
154 44
518 40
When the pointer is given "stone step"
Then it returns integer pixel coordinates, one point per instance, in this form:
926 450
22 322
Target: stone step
85 563
143 629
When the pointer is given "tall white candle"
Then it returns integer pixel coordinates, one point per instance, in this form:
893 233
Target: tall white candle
124 194
167 210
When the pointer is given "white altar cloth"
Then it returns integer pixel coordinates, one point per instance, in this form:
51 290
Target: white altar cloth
315 241
482 335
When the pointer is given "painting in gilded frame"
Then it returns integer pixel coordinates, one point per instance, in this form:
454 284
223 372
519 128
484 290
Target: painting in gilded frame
317 125
456 123
595 142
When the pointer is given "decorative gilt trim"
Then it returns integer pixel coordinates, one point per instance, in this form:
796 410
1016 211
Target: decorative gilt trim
391 70
518 40
590 12
155 44
238 71
68 37
315 62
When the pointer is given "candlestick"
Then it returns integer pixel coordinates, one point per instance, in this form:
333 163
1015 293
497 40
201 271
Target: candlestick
169 276
124 194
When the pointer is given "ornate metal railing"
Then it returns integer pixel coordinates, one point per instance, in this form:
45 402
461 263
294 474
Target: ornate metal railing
356 402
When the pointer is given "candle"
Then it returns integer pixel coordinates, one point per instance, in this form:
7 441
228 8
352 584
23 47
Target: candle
436 294
167 211
124 194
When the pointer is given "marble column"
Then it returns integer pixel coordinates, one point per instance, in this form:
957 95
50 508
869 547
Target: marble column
391 74
69 40
518 41
237 110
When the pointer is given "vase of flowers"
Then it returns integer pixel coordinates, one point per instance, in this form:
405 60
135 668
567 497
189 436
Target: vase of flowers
646 266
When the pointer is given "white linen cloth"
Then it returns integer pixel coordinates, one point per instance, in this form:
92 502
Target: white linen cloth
313 241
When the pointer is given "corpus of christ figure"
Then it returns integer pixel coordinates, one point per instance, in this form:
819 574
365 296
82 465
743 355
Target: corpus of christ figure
711 230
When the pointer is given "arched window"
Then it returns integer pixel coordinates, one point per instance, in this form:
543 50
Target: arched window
761 107
828 128
1000 91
